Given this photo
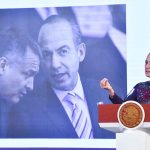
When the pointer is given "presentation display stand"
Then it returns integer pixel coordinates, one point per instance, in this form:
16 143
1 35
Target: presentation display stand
130 121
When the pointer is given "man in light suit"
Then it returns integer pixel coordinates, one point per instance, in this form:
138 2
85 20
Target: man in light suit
19 63
47 116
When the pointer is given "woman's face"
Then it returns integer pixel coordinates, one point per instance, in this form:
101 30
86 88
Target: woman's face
147 66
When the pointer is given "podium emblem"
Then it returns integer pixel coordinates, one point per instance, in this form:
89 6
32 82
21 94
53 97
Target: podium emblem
131 115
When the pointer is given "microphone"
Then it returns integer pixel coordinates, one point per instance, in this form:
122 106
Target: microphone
131 91
147 83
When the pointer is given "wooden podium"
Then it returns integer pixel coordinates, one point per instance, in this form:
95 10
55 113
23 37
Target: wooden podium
136 138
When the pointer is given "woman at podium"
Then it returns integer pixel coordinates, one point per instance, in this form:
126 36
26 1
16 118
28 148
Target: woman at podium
140 92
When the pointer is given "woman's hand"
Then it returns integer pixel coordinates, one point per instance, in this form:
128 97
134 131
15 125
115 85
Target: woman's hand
104 83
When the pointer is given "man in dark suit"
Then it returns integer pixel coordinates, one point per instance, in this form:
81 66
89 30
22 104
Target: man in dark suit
51 113
19 63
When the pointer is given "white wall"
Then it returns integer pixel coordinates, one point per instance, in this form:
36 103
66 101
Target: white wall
138 40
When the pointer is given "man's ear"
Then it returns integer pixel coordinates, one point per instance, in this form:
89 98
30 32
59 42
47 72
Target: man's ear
3 63
82 51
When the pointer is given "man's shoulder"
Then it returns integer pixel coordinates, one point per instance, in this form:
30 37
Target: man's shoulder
91 87
91 84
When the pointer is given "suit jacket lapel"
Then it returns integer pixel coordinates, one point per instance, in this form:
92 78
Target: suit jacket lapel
58 116
92 97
